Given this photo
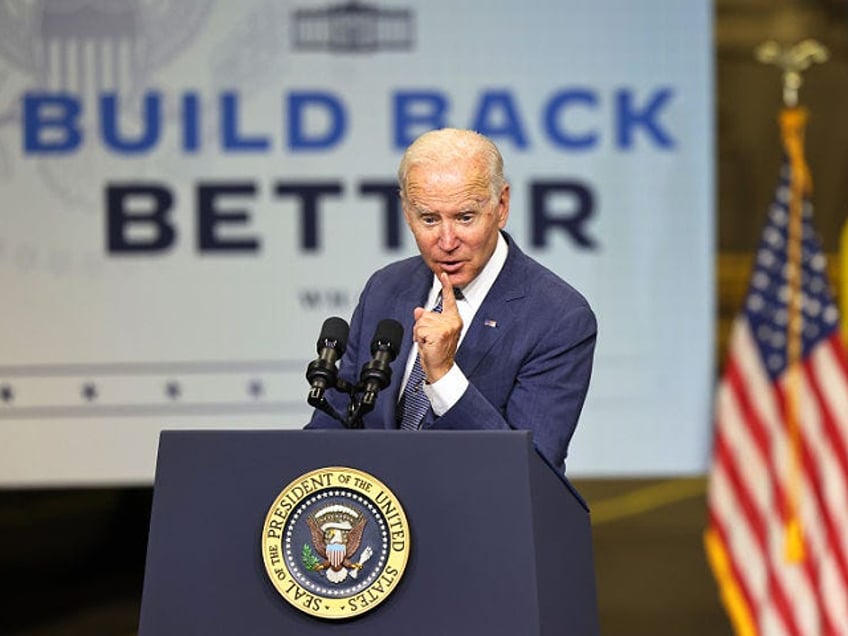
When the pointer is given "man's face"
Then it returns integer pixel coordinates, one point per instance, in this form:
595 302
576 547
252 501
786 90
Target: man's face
454 218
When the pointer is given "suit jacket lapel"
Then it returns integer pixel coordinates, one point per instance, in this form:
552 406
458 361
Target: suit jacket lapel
494 318
413 295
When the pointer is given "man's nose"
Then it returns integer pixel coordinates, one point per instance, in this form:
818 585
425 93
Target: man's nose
448 240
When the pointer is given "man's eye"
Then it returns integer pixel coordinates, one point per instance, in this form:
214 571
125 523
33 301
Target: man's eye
466 218
428 220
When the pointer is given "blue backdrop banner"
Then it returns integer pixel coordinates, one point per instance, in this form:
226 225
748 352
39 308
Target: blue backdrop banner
190 188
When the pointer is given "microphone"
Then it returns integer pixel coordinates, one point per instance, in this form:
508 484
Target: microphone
321 373
377 373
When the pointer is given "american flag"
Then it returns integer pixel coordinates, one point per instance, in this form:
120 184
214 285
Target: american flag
780 454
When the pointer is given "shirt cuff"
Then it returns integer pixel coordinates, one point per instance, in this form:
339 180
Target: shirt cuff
446 391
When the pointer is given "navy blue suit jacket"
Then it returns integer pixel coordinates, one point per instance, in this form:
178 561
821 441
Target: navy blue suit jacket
527 354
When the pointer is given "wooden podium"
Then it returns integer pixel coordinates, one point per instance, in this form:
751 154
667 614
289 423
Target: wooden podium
500 543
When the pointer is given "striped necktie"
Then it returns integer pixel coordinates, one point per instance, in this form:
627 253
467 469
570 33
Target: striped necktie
414 402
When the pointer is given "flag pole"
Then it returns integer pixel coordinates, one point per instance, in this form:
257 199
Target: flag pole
792 61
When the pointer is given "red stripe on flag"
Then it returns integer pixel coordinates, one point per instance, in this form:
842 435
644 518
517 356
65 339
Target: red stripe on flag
716 523
814 557
725 457
836 437
835 341
733 375
826 525
758 526
813 467
759 463
758 431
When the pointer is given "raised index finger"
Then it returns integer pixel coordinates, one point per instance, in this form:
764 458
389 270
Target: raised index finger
448 297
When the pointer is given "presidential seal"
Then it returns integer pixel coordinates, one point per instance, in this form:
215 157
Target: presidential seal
335 542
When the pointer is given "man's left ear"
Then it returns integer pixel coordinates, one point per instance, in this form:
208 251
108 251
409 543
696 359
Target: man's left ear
503 205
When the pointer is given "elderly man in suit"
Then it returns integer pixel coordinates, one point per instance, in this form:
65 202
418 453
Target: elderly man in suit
497 342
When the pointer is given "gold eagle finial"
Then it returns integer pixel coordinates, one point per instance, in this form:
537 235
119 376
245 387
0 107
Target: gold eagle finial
791 60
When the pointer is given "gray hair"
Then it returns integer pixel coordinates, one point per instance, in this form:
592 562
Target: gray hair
448 145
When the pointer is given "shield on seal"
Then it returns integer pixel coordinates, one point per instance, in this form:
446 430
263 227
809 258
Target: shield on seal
336 554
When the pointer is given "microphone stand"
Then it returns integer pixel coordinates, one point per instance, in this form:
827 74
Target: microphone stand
356 409
374 376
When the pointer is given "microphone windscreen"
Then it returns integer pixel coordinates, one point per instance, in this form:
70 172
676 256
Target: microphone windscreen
388 336
334 334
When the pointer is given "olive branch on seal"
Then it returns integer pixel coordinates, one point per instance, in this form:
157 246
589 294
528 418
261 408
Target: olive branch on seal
310 561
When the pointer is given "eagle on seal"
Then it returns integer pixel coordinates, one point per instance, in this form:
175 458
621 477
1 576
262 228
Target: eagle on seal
336 547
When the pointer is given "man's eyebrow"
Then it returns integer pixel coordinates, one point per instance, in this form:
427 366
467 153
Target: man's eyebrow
421 209
473 204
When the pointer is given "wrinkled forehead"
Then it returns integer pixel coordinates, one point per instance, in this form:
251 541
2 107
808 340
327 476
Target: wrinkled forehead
460 182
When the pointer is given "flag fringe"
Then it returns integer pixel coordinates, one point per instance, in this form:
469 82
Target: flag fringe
731 596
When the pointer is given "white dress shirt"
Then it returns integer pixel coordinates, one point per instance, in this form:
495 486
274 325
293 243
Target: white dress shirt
447 390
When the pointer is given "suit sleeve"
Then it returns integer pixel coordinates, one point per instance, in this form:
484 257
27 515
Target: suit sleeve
548 390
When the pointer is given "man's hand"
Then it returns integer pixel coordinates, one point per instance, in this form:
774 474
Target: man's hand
437 335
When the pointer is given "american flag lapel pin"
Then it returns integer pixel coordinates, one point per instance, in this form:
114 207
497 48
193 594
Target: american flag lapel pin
490 323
